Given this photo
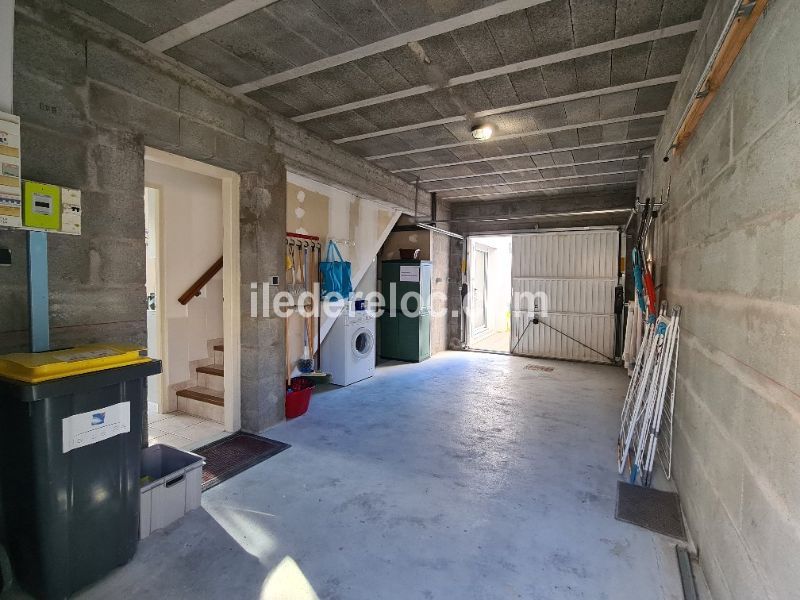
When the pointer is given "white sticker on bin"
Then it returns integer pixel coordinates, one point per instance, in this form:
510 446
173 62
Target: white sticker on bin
95 426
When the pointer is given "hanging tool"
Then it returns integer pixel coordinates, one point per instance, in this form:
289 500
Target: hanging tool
299 264
289 260
305 364
643 278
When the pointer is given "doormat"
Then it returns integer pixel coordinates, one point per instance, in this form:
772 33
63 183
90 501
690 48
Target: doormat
236 453
652 509
539 368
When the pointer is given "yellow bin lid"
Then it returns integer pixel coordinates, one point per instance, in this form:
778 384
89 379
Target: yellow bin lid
57 364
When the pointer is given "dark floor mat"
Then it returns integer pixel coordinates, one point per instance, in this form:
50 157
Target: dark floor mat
236 453
652 509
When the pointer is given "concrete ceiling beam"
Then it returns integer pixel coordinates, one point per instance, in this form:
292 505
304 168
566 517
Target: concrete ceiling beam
608 46
526 181
626 87
524 154
547 189
526 170
228 13
415 35
513 136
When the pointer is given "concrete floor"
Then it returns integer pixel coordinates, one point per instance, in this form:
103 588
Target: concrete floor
466 476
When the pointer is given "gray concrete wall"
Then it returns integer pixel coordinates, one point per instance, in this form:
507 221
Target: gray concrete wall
726 248
90 102
6 54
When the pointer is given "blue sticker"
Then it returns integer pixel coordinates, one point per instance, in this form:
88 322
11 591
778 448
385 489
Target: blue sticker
98 418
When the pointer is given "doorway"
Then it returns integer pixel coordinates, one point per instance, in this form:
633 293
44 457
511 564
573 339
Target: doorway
193 296
489 302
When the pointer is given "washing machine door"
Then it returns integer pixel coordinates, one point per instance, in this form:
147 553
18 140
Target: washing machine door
362 343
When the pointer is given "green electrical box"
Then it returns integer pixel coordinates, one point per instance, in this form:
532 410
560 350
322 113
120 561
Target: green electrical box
406 320
41 205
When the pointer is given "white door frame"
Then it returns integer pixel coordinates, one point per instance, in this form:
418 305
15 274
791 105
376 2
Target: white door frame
231 278
471 242
479 249
155 236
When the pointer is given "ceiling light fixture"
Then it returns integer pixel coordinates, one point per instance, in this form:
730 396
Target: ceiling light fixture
482 132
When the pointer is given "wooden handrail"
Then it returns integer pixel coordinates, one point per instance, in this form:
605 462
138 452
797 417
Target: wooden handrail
201 282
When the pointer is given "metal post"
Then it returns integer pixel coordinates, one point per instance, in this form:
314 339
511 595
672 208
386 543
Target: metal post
38 297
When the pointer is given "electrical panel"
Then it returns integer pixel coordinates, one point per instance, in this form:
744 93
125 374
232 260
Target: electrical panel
70 211
10 183
30 204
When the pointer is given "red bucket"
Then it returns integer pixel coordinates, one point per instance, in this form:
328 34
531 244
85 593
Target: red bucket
298 397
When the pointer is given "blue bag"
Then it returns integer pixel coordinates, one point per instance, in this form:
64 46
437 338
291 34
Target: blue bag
335 274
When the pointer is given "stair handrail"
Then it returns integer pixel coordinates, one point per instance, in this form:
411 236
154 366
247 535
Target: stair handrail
194 289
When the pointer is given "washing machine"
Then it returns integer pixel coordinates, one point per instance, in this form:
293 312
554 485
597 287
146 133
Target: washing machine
348 352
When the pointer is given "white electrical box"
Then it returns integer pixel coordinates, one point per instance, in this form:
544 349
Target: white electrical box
10 182
70 211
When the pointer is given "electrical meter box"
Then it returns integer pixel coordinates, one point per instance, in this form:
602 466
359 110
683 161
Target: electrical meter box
70 211
41 205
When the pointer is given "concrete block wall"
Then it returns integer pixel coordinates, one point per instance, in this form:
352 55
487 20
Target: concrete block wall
455 259
440 263
90 101
726 249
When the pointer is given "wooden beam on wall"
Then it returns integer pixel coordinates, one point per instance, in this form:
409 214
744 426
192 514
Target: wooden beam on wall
742 27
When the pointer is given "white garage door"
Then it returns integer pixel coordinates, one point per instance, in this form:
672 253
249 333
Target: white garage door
567 280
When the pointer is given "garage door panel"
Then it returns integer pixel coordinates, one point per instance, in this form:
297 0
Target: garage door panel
594 296
565 255
573 274
596 331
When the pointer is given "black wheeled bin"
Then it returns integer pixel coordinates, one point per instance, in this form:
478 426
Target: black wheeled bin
70 444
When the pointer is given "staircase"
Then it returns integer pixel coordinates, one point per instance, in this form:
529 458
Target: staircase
206 399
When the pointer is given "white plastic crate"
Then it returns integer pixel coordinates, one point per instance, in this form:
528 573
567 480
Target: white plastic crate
172 485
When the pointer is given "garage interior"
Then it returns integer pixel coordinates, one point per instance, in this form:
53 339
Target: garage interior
593 203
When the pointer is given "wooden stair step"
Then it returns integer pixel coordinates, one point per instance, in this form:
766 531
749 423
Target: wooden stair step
212 370
220 347
201 395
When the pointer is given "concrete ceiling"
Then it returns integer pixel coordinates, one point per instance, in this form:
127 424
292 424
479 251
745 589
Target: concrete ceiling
574 88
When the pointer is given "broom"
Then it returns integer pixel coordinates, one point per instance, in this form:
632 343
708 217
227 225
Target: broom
305 364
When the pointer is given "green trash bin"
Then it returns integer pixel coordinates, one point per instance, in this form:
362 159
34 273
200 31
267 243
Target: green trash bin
70 443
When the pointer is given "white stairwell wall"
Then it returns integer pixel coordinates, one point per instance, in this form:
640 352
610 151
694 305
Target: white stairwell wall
359 225
191 237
